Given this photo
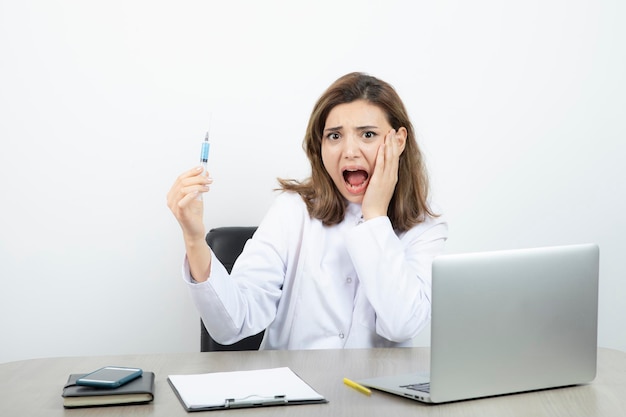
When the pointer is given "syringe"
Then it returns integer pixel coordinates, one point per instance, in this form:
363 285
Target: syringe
204 153
204 157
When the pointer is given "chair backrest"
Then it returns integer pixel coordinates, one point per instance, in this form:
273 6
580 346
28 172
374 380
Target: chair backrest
227 244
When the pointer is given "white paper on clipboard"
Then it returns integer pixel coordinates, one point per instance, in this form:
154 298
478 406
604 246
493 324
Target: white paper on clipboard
236 389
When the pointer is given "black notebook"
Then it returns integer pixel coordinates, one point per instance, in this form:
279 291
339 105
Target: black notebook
137 391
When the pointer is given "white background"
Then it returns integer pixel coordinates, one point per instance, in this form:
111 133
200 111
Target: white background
520 109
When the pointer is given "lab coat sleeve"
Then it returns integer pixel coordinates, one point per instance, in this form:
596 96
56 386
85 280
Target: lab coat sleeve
243 303
222 309
395 272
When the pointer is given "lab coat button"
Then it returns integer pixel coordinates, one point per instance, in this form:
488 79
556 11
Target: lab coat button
349 280
341 335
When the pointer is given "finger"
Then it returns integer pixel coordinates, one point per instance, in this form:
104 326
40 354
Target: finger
187 199
390 149
185 185
392 140
379 168
183 180
202 178
193 172
392 155
196 189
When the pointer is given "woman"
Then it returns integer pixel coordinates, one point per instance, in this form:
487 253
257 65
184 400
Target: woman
342 259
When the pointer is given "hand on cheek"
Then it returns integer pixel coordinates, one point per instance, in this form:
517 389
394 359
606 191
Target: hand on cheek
383 182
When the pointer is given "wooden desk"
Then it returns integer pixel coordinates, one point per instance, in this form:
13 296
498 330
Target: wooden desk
33 387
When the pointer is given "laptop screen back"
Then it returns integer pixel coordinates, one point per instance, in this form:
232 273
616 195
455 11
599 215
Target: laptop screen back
512 321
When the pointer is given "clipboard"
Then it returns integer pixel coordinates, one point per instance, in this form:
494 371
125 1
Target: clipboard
243 389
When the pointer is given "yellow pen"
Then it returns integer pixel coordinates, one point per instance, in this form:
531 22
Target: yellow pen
357 386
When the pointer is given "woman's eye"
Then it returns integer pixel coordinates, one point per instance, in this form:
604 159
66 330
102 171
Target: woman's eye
369 135
333 136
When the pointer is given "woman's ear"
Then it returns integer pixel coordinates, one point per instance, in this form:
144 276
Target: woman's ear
401 135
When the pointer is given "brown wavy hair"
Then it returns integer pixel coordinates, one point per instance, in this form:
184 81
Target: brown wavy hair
409 203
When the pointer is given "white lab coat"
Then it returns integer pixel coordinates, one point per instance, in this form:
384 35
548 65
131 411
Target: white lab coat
353 285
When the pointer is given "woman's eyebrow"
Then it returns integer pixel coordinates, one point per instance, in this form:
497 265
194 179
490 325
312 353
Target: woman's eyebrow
339 128
333 129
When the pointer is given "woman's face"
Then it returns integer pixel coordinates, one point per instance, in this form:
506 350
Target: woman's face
352 135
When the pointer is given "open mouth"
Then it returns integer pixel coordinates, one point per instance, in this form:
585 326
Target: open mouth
355 179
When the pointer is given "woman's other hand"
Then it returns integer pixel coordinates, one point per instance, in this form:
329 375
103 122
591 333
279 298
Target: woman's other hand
184 199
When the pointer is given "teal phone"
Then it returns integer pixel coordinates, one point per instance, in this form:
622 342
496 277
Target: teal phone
109 377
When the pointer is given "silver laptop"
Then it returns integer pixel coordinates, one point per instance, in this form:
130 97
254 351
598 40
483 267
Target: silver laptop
506 322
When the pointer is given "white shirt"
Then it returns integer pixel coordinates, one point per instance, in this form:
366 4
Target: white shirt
353 285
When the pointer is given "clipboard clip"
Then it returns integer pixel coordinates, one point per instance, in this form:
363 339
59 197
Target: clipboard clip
255 401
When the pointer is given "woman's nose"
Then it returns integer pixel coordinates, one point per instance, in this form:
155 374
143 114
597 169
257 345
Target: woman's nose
351 147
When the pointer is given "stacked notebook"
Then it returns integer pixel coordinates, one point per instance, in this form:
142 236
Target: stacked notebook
137 391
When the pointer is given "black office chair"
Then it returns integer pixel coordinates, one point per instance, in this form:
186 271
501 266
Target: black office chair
227 244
